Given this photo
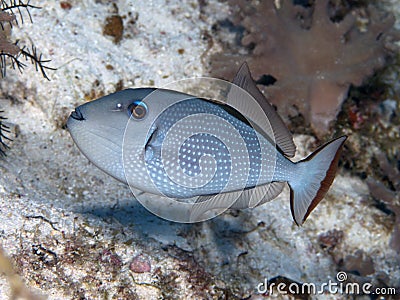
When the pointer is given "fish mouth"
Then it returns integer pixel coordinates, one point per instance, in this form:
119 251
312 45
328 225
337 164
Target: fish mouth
77 115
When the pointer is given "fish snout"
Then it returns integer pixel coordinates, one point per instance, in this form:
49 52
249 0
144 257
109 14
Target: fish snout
77 115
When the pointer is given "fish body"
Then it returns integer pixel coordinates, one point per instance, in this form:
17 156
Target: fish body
203 129
178 146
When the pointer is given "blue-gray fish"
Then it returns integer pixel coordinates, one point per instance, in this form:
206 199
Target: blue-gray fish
173 145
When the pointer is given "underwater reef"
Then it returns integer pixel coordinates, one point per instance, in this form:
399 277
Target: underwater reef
308 55
388 193
71 232
12 13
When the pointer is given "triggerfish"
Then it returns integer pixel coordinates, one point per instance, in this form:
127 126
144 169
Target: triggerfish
187 155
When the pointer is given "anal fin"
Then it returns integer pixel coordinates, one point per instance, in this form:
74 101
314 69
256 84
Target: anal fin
217 204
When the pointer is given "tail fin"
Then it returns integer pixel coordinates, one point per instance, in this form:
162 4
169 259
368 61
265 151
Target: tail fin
316 174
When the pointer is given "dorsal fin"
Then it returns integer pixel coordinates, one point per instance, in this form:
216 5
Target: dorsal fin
283 137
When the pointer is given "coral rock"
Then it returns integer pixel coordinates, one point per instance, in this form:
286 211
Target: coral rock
313 59
140 264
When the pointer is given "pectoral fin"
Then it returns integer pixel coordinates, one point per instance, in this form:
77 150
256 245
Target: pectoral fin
153 146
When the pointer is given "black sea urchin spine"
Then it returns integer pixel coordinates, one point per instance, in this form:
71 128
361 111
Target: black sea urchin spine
11 53
4 130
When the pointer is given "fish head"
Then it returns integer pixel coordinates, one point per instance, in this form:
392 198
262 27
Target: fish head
98 127
105 128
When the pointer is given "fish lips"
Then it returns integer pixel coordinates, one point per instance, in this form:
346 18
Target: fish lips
76 119
77 115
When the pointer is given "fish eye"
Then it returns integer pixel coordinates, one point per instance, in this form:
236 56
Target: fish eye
137 110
